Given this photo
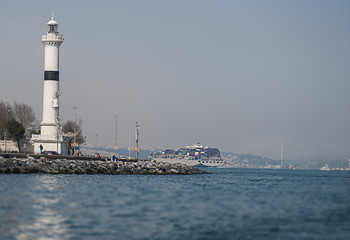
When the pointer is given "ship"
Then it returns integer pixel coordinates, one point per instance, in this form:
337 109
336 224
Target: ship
325 167
195 155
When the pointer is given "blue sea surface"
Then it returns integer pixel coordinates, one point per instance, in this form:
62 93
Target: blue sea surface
227 204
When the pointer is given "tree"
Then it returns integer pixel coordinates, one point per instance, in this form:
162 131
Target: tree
24 114
68 127
15 131
21 112
5 115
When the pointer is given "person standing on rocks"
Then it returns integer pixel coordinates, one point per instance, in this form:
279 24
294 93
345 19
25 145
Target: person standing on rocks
41 149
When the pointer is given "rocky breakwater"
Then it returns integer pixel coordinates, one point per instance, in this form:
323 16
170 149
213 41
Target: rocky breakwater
64 166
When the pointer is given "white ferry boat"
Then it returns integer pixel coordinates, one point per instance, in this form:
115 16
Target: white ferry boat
195 155
325 167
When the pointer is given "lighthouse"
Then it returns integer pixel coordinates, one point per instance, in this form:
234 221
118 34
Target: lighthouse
50 137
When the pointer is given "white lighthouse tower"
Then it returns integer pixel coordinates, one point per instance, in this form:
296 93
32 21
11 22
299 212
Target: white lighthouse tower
50 138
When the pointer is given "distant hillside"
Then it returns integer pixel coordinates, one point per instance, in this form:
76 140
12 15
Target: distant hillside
248 160
250 157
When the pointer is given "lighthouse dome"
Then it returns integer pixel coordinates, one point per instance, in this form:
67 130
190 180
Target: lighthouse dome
52 22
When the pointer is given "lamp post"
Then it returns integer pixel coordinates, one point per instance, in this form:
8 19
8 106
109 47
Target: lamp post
75 129
75 123
129 137
58 131
7 119
96 141
116 135
137 140
282 156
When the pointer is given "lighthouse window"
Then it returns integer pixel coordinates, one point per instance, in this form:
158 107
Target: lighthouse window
52 28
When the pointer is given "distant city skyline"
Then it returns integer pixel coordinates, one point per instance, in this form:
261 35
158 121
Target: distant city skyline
243 76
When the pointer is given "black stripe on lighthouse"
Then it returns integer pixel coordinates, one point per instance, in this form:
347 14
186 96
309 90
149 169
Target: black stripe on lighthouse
51 75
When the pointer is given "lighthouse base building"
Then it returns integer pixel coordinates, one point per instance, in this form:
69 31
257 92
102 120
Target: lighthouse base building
42 145
50 138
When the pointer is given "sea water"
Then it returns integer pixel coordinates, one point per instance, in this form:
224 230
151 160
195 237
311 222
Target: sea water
227 204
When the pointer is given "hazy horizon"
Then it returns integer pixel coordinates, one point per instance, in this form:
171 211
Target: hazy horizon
243 76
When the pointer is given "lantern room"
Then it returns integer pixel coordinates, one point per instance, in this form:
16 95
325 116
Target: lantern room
52 26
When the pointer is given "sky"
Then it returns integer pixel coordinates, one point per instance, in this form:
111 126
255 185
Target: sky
243 76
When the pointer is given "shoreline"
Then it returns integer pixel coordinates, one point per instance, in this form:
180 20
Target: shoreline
52 165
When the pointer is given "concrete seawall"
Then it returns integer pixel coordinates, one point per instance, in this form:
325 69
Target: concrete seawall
52 165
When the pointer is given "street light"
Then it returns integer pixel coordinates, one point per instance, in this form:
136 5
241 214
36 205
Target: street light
96 141
58 131
129 137
116 135
7 119
75 129
137 140
75 123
